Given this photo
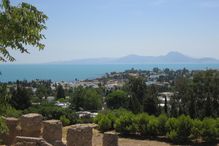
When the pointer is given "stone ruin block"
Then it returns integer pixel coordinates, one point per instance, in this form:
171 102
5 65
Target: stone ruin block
31 141
31 125
52 131
79 136
14 130
110 139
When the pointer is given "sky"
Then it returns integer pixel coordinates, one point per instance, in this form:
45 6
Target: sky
78 29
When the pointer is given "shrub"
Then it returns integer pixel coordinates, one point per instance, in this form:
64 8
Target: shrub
172 135
124 124
162 119
209 130
3 126
184 126
142 121
12 112
171 127
109 118
179 129
98 118
217 126
50 111
65 121
196 129
105 124
171 124
153 126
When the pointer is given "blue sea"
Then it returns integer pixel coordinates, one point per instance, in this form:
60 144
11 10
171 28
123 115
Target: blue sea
71 72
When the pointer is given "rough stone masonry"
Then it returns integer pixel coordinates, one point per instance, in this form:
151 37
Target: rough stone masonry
79 136
52 131
31 125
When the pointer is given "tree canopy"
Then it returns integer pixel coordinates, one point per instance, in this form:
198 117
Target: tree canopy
21 26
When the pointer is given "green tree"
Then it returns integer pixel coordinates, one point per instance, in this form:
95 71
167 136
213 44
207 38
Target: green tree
21 26
151 101
86 99
20 98
117 99
60 92
4 99
136 88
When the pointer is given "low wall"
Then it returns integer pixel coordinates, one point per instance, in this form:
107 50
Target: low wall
31 130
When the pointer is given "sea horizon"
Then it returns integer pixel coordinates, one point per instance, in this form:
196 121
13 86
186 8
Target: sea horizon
70 72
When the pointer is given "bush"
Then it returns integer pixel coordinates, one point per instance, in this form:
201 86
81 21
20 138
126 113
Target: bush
217 126
12 112
50 111
153 126
3 126
124 124
105 124
142 121
172 135
65 121
209 130
176 129
85 119
171 124
196 129
184 127
162 119
179 129
171 127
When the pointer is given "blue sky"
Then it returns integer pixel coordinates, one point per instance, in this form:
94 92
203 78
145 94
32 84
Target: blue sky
115 28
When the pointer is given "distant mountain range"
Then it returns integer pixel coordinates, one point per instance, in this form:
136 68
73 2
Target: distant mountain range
170 58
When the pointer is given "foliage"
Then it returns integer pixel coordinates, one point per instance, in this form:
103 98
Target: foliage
85 99
65 121
20 98
142 121
151 101
124 124
60 92
153 126
184 127
136 88
171 124
209 129
197 96
3 126
43 90
50 111
162 119
172 135
196 130
21 26
180 129
117 99
104 124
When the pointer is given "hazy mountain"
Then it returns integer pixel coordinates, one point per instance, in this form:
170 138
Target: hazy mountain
170 58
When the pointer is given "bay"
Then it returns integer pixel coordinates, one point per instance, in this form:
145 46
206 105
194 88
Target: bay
68 72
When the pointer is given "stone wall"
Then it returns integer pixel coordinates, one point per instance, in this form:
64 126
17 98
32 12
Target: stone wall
52 131
79 136
31 130
30 141
110 139
31 125
14 130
